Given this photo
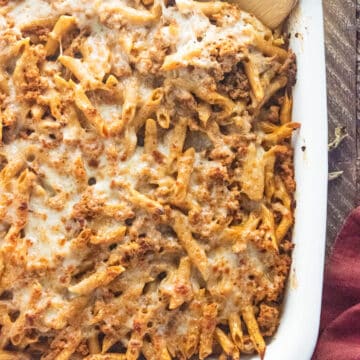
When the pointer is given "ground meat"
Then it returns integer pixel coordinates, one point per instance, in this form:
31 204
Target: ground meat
236 84
37 31
290 70
181 100
279 270
218 175
9 132
287 247
88 207
71 43
223 154
273 114
3 97
65 336
32 85
91 146
286 170
248 345
268 319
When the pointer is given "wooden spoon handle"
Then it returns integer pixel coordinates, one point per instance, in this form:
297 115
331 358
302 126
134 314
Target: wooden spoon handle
271 12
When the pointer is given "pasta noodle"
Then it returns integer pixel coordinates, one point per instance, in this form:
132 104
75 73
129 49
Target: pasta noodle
62 26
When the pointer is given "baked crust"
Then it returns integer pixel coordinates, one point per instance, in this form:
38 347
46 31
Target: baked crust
146 184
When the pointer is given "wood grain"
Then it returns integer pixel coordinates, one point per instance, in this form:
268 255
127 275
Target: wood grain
341 45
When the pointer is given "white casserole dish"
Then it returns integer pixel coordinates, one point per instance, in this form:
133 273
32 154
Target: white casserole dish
299 324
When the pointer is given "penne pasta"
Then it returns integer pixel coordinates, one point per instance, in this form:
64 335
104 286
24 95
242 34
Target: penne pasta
94 344
149 108
253 175
131 15
101 277
185 166
109 237
254 78
81 71
146 203
268 223
267 48
178 286
177 139
208 326
196 253
208 8
109 356
282 133
163 117
64 24
253 329
227 345
236 330
286 110
91 113
150 141
285 223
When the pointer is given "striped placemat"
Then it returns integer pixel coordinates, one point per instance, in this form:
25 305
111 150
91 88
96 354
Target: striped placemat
341 29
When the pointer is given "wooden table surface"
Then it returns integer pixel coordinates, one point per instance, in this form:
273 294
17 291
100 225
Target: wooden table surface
342 65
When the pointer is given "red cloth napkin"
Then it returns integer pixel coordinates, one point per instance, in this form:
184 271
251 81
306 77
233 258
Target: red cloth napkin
340 318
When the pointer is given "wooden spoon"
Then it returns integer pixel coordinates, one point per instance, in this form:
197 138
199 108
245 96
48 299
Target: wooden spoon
271 12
